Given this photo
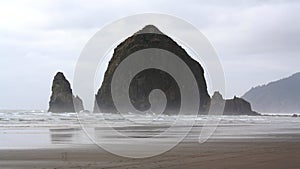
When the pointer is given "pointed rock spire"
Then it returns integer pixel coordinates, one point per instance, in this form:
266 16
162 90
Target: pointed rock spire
62 97
149 29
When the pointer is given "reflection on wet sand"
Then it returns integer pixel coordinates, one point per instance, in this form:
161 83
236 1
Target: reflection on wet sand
65 135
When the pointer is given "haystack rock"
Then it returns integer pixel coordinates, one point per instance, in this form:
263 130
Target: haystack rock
150 37
62 97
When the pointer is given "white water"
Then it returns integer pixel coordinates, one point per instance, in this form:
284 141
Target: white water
36 129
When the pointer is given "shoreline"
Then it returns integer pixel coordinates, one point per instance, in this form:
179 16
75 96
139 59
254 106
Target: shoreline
239 142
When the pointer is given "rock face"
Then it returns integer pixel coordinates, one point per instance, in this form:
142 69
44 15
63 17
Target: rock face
150 37
62 97
144 82
282 96
236 106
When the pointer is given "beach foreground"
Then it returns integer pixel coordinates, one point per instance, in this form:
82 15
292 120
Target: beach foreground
265 154
45 140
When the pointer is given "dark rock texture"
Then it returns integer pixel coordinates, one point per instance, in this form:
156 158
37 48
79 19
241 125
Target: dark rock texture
235 106
144 82
282 96
62 97
238 106
151 79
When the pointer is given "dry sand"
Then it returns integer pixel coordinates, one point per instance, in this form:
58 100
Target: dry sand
227 154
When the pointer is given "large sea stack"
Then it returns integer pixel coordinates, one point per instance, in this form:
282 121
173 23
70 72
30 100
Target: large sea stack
143 83
62 97
150 37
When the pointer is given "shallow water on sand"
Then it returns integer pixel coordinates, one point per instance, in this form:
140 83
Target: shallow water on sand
40 129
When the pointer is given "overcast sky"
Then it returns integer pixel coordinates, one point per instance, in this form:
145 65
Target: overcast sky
257 41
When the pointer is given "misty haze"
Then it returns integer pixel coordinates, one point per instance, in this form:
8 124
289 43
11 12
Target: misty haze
150 84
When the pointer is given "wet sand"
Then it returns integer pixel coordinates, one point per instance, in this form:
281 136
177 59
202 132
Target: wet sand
229 154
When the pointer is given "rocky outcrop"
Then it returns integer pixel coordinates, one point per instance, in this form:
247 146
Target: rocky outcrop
235 106
147 80
238 106
150 37
62 98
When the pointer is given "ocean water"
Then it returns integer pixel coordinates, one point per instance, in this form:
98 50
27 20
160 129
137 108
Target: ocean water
23 129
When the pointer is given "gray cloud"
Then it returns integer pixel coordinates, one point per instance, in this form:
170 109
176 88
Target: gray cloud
257 41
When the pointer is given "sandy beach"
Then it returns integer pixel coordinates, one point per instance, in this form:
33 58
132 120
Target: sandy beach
265 154
239 142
